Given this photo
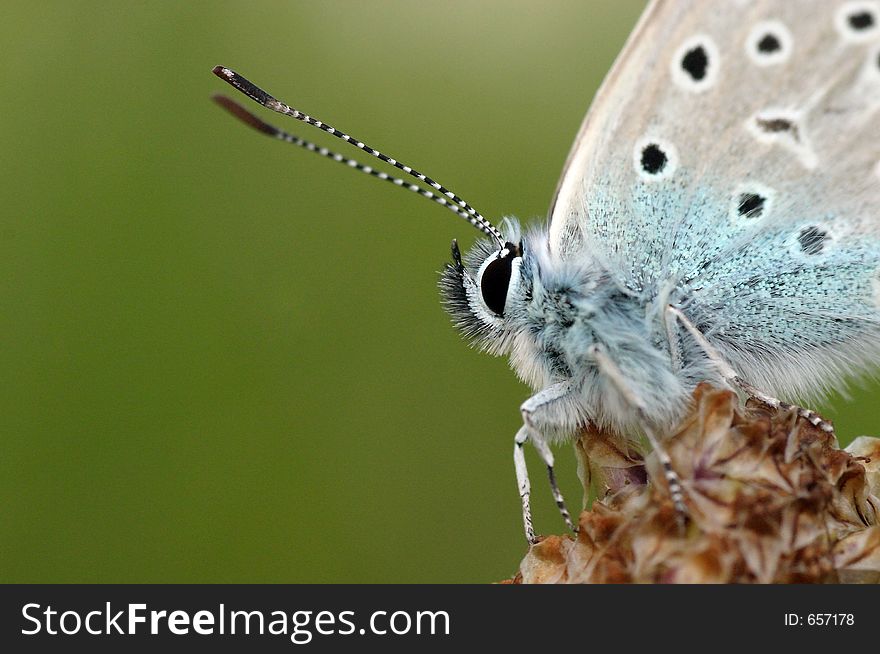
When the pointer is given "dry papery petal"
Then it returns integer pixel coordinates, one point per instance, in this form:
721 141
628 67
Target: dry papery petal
770 497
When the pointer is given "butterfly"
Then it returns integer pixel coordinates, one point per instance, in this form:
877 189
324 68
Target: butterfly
717 219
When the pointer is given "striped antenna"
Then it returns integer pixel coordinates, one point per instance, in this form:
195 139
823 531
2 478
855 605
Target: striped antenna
257 94
261 126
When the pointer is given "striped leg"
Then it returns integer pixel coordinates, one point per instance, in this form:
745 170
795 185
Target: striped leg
522 482
536 410
608 368
673 481
729 375
810 416
547 457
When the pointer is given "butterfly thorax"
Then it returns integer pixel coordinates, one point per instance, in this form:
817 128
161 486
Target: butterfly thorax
556 313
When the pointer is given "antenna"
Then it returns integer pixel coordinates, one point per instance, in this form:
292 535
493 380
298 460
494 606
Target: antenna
257 94
250 119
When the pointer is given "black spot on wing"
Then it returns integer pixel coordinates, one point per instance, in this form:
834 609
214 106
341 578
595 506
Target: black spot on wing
778 125
751 205
769 43
653 159
861 20
775 124
812 240
695 63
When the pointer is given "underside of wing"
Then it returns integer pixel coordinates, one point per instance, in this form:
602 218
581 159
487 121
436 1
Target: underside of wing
732 155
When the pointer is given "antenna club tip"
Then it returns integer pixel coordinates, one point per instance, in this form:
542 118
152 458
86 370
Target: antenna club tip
222 72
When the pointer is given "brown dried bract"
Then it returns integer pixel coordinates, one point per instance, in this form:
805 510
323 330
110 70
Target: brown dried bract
771 499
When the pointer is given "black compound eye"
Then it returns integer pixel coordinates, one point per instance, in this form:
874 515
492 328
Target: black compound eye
496 280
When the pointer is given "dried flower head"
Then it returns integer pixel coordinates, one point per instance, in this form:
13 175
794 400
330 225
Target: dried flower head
771 499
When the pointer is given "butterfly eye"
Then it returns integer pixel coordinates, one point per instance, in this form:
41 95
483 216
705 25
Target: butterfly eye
495 279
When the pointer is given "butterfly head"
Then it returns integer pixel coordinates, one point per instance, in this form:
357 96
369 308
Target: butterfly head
484 288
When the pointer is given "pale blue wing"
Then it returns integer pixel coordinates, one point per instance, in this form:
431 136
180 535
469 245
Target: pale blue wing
731 161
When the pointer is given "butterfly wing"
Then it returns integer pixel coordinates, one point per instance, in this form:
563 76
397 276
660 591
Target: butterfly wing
730 162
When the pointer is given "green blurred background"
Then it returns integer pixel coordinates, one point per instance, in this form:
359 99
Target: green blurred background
224 359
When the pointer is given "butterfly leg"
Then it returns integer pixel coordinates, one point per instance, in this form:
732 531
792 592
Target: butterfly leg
731 377
609 369
807 414
535 410
522 481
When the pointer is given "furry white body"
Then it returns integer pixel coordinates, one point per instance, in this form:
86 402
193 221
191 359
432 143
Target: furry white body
787 297
718 219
